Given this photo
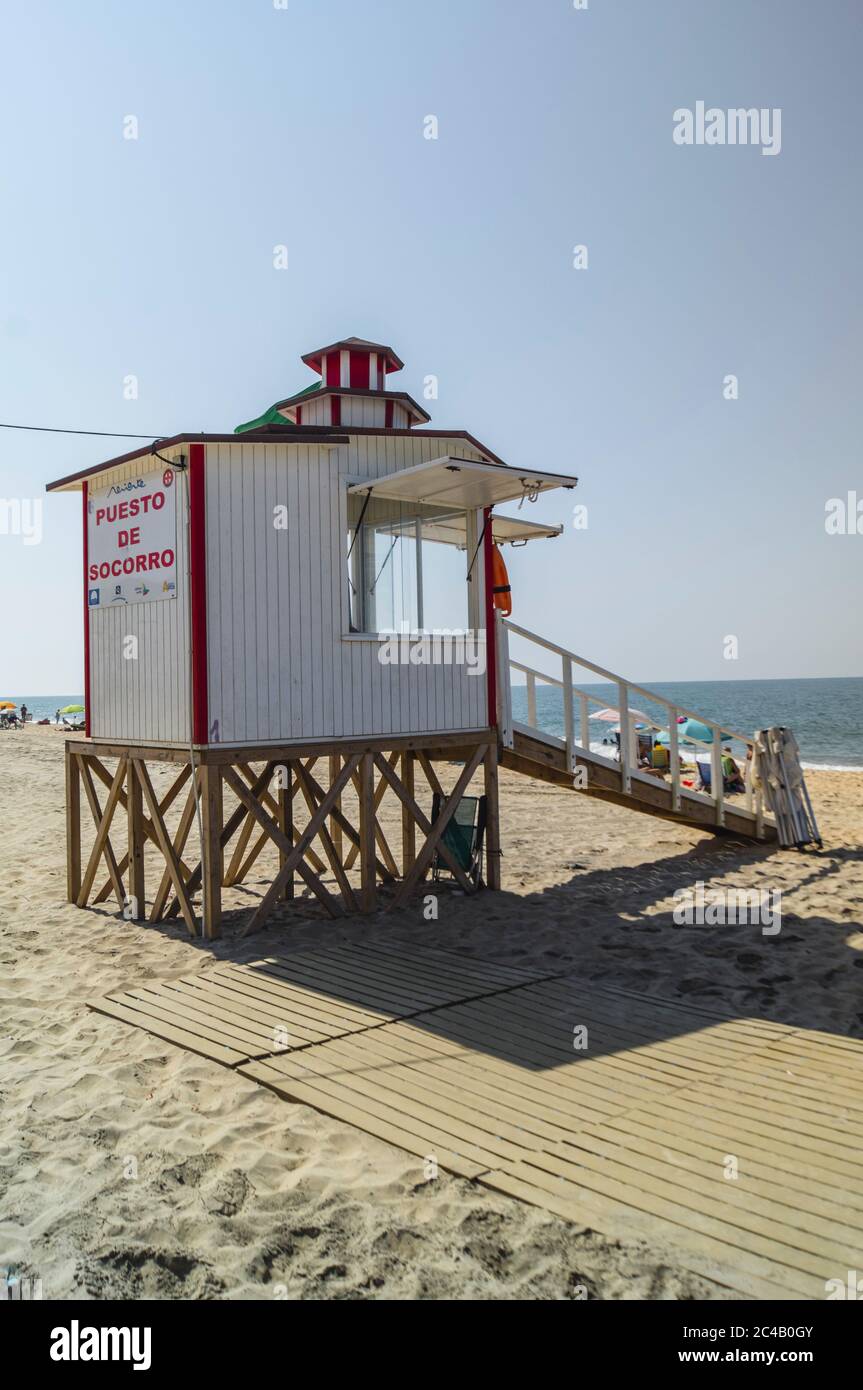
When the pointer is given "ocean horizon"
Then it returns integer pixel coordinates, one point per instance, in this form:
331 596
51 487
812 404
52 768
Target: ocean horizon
825 713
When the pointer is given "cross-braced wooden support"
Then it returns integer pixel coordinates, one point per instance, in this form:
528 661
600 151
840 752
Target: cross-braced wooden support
308 814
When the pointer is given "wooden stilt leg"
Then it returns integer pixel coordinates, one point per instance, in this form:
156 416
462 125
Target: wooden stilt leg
368 896
409 825
335 828
424 824
384 871
114 877
492 819
98 850
167 800
239 851
285 820
165 845
436 831
333 857
180 838
388 869
136 907
212 853
73 826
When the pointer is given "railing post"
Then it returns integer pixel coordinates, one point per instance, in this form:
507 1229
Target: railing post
674 758
717 778
504 688
567 711
585 724
531 700
625 741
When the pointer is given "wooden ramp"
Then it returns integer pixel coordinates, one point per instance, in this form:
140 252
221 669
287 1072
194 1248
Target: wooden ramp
546 759
731 1145
533 750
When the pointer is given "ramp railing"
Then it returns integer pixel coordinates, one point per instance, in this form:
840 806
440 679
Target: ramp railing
576 727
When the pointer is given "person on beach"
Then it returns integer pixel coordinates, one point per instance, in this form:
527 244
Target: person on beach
24 713
731 775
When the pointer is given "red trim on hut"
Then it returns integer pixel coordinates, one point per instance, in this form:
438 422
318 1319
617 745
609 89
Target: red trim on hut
87 716
198 574
335 410
490 631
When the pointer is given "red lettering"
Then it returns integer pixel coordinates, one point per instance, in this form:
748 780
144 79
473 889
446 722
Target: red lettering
123 510
94 572
100 515
140 563
153 560
167 559
158 501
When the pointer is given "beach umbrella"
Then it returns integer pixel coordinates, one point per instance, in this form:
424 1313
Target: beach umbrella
8 704
71 709
612 716
693 729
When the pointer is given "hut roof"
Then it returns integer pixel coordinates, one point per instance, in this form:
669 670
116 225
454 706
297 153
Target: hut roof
393 362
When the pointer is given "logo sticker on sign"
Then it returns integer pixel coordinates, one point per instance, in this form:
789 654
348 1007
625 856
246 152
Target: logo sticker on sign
132 541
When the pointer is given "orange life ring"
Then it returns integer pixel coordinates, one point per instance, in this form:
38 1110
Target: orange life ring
501 591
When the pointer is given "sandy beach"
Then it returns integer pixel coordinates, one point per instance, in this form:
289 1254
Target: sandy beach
129 1168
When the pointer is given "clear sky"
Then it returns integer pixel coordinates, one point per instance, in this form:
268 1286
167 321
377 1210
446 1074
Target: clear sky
260 126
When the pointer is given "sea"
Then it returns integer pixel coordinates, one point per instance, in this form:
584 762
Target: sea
826 716
43 706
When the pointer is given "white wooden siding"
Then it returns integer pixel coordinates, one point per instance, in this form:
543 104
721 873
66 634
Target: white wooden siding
144 699
280 666
363 410
316 412
367 411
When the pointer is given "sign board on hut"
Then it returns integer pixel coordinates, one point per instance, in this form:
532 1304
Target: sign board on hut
132 541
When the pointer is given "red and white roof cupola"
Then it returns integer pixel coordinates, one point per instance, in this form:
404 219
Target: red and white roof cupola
354 362
351 391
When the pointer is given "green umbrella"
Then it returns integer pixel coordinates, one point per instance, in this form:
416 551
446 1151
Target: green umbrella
71 709
693 729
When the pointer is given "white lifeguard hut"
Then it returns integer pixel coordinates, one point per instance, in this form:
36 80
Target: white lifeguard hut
316 585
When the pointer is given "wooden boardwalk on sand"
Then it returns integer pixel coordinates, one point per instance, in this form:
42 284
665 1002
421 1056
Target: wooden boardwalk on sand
474 1063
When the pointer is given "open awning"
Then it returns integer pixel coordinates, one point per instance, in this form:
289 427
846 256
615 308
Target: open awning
463 483
452 529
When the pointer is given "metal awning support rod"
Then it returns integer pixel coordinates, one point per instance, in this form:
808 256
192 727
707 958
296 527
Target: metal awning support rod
363 509
478 547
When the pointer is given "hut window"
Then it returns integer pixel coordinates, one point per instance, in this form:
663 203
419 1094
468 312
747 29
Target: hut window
402 576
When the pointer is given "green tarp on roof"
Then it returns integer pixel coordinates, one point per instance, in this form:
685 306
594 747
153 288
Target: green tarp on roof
273 416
